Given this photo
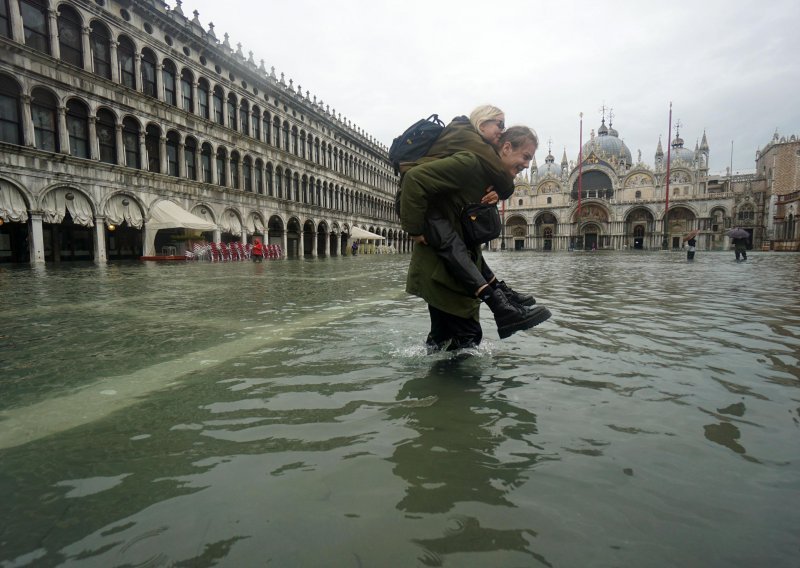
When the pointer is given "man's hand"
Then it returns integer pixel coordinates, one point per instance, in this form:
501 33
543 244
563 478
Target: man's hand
419 239
491 196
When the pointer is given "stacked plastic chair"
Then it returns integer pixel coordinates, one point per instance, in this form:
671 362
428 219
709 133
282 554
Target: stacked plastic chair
216 253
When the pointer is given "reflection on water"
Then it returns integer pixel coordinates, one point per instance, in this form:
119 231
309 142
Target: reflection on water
198 414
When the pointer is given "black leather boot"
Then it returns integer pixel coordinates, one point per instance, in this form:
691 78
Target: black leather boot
511 318
514 296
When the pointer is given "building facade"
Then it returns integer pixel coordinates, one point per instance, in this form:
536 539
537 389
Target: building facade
108 107
623 202
778 173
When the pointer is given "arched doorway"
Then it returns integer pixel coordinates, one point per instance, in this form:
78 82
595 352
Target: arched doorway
293 230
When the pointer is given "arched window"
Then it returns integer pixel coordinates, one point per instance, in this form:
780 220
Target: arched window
78 128
267 128
279 183
235 159
258 175
168 75
34 24
43 113
189 149
219 113
294 141
100 39
152 143
638 195
10 115
126 55
202 98
70 44
286 136
106 136
549 201
270 185
5 20
130 140
247 173
244 114
316 150
222 161
256 123
173 139
277 131
149 73
205 162
186 90
232 121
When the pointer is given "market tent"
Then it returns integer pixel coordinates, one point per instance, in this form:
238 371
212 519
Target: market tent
168 215
359 233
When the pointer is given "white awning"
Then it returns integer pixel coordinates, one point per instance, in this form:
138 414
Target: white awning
359 233
168 215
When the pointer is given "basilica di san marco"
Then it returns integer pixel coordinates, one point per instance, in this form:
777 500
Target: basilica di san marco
623 201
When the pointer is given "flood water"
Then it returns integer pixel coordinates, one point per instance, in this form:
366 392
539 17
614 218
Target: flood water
286 414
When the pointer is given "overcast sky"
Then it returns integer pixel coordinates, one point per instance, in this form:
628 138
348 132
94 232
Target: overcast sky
729 67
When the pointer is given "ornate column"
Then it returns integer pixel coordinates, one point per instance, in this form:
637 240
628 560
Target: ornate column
144 163
94 144
213 168
326 249
198 166
162 154
35 235
52 17
87 48
314 244
181 160
160 82
120 145
284 242
195 100
100 239
28 133
113 45
240 173
63 134
228 176
137 72
17 29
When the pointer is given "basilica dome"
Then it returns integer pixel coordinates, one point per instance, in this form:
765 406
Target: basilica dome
678 152
549 168
607 144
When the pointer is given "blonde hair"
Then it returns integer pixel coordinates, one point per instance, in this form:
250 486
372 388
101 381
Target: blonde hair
484 113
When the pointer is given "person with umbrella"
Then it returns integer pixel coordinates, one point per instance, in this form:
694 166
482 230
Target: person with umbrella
691 243
739 237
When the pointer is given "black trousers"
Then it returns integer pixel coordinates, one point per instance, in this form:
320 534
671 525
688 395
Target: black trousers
449 332
457 258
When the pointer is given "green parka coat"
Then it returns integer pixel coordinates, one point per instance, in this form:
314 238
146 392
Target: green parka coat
445 185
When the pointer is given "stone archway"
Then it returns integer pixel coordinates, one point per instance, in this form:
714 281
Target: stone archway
639 229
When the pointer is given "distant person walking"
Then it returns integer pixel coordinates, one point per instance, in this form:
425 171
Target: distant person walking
740 248
692 244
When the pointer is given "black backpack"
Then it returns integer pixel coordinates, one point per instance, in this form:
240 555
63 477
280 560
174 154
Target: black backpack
415 142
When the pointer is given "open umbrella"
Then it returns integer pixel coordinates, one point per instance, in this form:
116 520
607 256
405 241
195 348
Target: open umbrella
691 234
738 233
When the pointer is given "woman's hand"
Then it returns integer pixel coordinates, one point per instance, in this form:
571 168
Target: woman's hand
491 196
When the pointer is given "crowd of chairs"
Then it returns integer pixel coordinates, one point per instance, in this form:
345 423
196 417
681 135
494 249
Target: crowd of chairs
230 251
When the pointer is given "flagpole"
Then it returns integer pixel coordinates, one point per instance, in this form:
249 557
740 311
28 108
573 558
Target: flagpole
664 243
580 171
